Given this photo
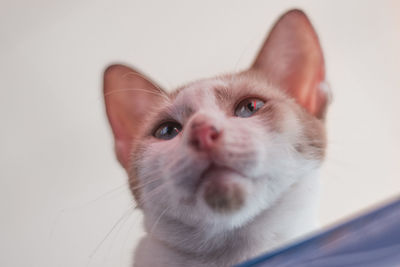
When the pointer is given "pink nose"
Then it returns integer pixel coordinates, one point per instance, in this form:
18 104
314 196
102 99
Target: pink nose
203 136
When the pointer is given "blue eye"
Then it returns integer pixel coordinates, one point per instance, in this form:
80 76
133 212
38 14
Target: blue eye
248 107
167 130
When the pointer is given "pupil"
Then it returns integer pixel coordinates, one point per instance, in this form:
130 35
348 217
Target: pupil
169 130
250 106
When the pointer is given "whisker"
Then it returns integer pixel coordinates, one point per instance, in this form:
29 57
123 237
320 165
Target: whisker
141 185
128 212
245 50
157 221
132 73
151 194
136 89
123 186
123 222
80 206
126 240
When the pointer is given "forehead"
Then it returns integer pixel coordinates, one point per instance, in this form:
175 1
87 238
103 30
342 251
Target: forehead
199 94
214 94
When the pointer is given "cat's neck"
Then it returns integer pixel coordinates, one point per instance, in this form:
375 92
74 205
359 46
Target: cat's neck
292 216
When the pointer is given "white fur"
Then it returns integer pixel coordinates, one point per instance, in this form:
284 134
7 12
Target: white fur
292 216
281 188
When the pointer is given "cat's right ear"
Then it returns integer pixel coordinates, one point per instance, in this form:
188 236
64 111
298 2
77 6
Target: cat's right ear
128 97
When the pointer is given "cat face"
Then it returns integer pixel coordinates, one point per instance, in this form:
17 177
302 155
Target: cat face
221 150
224 159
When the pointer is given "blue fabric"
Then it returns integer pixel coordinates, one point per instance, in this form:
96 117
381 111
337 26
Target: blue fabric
371 240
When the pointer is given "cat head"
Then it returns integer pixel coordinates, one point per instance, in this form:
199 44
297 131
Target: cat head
221 150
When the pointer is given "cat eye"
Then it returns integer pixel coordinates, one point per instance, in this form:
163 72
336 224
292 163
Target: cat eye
167 130
248 107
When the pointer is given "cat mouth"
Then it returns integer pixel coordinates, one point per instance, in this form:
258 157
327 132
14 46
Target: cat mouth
214 171
222 188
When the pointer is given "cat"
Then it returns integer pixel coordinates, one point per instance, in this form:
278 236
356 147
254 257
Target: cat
225 168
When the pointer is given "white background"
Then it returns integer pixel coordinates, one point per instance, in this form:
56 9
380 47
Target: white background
61 189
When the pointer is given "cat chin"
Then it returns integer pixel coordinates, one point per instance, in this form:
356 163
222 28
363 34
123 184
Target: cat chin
223 190
226 202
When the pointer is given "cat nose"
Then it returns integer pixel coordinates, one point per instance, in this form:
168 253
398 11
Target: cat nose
203 135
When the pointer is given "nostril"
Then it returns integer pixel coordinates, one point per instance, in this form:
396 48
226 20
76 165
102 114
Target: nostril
214 133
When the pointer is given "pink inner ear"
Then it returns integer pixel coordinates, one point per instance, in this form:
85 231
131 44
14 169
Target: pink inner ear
129 97
292 59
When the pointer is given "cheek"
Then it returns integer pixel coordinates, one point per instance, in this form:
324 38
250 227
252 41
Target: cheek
151 186
246 142
265 149
159 155
173 164
281 119
150 163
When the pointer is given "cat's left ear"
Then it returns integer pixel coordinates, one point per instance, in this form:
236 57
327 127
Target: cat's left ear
292 59
129 97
